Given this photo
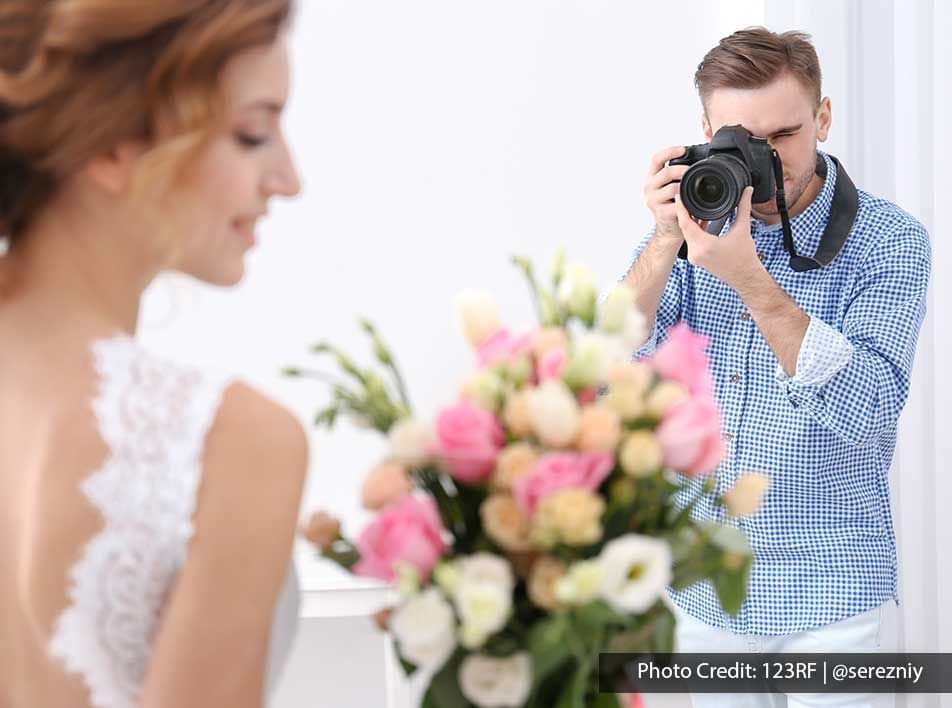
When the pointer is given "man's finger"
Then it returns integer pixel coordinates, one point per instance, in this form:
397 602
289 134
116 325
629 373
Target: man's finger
662 156
688 226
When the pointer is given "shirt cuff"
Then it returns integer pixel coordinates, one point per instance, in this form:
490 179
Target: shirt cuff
823 353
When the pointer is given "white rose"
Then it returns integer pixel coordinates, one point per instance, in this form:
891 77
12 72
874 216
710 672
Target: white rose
485 390
614 308
423 627
577 291
483 596
478 315
636 570
592 358
581 584
554 413
634 332
490 682
411 442
745 496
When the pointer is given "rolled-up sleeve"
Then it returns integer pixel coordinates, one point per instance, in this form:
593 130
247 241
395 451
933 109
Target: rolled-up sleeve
854 381
669 307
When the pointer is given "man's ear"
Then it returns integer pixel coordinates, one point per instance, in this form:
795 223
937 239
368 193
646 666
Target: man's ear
114 169
824 118
706 126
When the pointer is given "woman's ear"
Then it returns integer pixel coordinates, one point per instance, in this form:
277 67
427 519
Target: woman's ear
114 169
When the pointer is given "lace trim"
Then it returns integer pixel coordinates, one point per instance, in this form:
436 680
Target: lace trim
154 417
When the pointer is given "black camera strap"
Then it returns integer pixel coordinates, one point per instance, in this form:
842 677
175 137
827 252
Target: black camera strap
843 210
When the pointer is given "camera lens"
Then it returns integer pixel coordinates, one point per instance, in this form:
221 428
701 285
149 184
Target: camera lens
711 188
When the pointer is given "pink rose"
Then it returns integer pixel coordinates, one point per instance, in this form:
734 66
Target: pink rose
681 358
563 470
407 532
385 484
690 436
587 395
469 440
503 348
552 364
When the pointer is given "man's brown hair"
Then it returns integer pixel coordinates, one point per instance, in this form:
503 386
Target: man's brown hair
753 57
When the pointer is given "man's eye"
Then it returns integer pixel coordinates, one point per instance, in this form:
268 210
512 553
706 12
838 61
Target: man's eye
783 135
251 141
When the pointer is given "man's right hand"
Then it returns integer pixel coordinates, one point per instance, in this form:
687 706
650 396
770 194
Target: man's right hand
661 185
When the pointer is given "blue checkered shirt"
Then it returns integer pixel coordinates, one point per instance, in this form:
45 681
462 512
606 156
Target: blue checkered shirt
823 538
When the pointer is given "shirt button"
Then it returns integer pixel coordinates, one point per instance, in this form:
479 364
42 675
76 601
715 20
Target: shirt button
761 256
745 315
735 378
727 437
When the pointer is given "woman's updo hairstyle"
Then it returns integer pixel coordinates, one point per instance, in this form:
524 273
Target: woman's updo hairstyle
77 77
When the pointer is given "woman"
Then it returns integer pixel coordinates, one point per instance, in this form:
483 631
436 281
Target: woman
147 509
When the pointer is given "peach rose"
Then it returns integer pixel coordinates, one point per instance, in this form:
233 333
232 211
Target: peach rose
664 396
545 573
569 516
599 431
385 484
516 414
547 339
513 462
322 530
505 523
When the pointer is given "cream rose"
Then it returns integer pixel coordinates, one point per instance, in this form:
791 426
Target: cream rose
411 442
478 315
641 454
743 499
423 627
572 516
513 462
490 682
554 413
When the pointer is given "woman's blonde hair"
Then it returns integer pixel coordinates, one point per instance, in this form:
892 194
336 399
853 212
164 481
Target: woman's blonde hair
77 77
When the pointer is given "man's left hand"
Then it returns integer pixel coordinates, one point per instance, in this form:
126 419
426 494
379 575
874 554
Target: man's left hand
731 258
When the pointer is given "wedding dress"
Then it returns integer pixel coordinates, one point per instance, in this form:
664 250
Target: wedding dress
154 416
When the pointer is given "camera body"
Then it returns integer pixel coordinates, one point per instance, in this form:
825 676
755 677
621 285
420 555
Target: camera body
721 169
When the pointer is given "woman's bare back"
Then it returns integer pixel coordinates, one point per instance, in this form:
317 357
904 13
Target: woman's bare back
52 443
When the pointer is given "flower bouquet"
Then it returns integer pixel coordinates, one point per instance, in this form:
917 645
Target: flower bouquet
533 525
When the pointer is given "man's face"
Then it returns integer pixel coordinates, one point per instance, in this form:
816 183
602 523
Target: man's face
784 112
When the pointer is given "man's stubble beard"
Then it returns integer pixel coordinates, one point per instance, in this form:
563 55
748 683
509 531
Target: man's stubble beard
791 197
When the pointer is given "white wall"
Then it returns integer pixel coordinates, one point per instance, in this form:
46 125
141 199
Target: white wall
437 137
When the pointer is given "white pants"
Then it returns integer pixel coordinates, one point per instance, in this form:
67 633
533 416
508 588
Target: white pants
861 633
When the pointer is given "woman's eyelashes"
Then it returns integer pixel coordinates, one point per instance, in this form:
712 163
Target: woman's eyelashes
251 141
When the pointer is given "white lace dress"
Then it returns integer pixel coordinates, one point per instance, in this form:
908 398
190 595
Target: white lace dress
154 416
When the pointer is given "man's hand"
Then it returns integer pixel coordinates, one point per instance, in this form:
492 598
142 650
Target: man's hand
661 187
732 258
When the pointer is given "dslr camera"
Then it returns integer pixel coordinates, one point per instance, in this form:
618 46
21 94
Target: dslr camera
721 169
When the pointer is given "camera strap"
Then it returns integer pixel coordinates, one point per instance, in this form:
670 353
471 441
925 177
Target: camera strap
843 210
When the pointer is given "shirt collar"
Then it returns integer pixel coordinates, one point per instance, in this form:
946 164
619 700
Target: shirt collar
808 226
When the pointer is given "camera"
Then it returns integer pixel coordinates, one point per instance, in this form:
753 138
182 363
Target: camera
721 169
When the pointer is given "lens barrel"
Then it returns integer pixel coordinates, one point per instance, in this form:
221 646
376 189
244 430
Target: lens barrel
711 188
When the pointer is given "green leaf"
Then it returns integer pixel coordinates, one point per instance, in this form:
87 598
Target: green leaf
574 694
548 646
444 690
727 538
605 700
731 586
409 668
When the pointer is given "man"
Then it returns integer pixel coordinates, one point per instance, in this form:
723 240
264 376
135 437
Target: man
811 367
